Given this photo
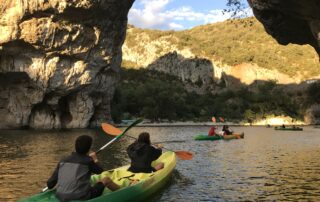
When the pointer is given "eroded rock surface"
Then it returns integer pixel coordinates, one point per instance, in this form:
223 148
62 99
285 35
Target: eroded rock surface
59 61
290 21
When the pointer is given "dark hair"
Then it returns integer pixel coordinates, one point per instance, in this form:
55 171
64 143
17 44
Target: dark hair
144 138
83 144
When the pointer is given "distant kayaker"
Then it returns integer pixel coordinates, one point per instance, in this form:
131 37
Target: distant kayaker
142 153
212 131
226 130
72 175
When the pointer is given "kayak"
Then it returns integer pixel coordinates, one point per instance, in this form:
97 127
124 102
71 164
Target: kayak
143 186
213 138
291 128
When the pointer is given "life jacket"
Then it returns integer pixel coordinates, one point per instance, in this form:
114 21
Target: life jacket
142 155
74 178
212 131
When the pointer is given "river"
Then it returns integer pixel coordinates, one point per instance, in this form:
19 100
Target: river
266 165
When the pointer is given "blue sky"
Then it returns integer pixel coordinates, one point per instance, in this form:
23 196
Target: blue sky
177 14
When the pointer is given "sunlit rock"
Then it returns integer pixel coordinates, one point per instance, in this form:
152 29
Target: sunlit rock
69 55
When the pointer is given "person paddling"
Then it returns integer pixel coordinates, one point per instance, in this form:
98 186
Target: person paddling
212 131
142 153
72 174
226 130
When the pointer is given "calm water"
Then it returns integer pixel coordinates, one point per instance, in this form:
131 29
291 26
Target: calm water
267 165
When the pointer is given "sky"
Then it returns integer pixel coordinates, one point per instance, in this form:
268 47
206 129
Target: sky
178 14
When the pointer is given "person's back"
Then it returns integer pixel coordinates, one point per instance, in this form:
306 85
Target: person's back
142 154
72 175
212 131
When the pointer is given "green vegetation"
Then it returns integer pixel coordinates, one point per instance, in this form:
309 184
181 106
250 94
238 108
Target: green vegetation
313 93
155 95
234 42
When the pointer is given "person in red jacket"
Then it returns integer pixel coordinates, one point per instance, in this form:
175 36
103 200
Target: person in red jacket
212 131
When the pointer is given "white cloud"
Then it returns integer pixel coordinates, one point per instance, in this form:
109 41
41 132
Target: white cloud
173 25
153 14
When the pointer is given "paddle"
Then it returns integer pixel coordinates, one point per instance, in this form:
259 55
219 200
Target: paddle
111 130
116 132
119 135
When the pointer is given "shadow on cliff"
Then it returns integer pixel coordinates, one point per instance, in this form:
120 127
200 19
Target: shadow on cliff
199 75
196 73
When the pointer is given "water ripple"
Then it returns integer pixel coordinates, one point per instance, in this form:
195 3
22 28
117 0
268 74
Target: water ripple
267 165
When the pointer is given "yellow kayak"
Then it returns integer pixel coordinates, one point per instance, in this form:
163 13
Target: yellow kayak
134 186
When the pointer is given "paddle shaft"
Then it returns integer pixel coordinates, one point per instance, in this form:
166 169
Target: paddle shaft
110 142
120 135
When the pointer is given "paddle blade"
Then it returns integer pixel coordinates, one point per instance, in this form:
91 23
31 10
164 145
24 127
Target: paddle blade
184 155
110 129
213 119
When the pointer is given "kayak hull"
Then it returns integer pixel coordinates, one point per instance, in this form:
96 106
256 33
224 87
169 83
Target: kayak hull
214 138
291 129
146 184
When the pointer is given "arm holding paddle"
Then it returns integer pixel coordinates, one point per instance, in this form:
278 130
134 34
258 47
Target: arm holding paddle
54 178
111 130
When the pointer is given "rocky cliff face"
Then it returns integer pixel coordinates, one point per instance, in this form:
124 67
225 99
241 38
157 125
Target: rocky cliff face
194 70
59 61
164 51
290 21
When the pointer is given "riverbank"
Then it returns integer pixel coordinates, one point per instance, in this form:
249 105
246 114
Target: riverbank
190 123
271 120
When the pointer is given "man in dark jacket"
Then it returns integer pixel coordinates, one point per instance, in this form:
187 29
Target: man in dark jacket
142 154
72 175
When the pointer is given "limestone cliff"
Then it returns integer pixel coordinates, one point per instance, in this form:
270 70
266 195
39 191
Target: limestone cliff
59 61
228 52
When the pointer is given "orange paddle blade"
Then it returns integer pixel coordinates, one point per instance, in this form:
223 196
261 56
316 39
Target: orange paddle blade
213 119
110 129
221 119
184 155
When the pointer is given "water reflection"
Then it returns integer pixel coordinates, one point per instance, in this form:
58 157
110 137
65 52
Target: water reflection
267 165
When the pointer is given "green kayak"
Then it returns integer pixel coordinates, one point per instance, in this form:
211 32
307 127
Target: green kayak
213 138
287 128
146 183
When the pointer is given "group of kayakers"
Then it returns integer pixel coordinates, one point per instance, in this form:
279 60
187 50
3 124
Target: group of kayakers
71 177
225 131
